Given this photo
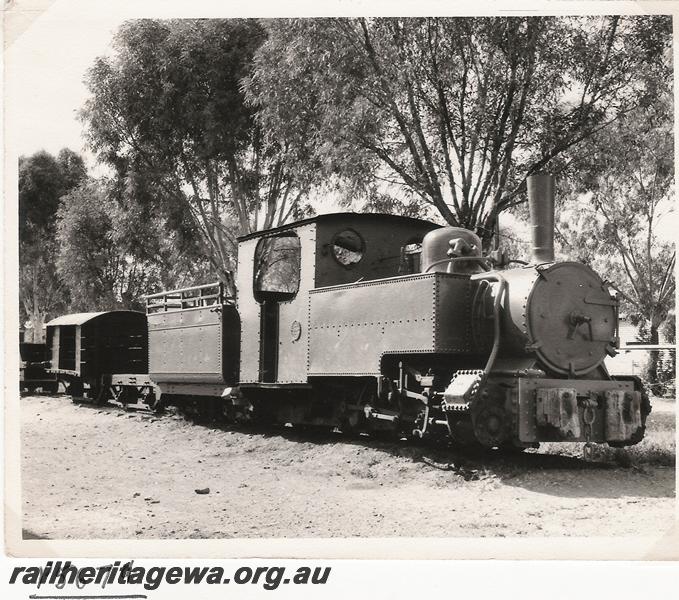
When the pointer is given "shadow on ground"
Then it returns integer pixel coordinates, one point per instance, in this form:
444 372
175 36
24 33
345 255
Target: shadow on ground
555 469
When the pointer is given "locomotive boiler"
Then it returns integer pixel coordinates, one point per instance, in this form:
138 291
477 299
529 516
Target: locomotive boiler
384 323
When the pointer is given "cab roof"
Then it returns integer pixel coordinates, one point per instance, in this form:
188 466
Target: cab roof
330 217
81 318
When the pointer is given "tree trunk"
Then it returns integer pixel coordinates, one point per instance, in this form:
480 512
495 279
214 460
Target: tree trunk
36 315
227 278
652 366
487 232
37 321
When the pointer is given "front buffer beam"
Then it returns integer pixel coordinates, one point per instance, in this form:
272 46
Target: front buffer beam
558 410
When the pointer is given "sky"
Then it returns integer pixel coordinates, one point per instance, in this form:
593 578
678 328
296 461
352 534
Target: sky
44 72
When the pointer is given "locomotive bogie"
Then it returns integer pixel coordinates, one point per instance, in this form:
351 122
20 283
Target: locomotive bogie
131 388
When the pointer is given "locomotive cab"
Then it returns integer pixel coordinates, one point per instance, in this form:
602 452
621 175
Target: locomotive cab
279 268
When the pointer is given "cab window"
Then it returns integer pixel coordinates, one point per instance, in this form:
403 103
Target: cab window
348 247
411 255
277 267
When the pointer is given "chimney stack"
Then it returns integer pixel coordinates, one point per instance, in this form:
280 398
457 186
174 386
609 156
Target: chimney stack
541 207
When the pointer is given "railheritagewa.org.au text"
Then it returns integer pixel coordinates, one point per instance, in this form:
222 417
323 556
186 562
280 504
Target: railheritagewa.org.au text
65 574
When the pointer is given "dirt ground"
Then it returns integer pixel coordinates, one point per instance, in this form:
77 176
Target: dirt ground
91 472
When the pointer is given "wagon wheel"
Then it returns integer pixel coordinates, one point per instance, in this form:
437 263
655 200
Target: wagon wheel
51 388
147 396
75 389
208 410
98 394
125 394
100 389
156 402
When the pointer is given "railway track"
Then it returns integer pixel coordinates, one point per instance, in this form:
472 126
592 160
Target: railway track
442 454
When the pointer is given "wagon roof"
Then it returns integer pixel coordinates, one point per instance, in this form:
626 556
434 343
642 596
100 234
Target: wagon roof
337 215
81 318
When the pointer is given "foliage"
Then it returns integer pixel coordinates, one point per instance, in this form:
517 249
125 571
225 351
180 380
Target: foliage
93 259
43 179
168 113
168 238
613 227
452 112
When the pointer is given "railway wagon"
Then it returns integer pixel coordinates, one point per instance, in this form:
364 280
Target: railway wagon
193 342
33 369
86 349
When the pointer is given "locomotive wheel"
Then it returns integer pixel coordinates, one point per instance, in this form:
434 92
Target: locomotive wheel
352 417
184 406
351 421
228 412
490 426
202 410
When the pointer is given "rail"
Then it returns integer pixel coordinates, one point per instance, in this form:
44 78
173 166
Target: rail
648 347
185 298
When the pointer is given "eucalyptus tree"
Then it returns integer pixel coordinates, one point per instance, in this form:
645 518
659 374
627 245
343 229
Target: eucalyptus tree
617 211
167 112
91 256
43 180
452 113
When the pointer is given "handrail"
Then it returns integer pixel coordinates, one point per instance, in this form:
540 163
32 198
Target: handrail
648 347
482 260
502 286
180 290
185 298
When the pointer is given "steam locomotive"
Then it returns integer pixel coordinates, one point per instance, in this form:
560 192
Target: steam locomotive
376 323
